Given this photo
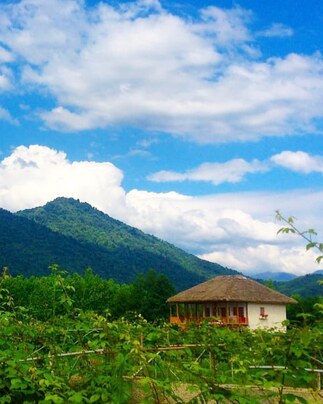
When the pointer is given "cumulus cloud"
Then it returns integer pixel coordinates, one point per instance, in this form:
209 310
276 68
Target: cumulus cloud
229 26
231 171
34 175
235 229
140 65
299 161
266 257
235 170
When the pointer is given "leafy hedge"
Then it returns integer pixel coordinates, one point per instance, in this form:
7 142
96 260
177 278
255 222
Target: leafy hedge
76 355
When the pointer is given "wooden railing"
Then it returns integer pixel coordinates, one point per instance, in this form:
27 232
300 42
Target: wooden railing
232 320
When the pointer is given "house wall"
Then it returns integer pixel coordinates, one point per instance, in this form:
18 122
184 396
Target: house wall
275 314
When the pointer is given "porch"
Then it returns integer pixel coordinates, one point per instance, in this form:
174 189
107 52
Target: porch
222 313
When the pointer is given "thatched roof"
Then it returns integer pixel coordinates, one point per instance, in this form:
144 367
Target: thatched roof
231 288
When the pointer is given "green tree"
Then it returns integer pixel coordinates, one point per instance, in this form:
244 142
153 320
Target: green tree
150 292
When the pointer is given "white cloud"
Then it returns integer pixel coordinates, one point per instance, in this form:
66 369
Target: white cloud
142 66
277 30
265 257
5 56
6 116
229 26
299 161
231 171
34 175
235 229
5 78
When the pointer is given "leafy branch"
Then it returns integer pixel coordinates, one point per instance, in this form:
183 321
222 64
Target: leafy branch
307 235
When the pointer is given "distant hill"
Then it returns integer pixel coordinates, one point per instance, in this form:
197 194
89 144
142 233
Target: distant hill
306 286
275 276
76 236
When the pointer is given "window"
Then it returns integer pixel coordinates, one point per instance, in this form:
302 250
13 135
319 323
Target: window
241 311
223 311
263 314
238 311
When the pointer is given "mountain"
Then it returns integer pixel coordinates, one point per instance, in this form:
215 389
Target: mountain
28 248
306 286
76 236
275 276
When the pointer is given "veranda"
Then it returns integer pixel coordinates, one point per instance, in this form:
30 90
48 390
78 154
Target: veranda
226 313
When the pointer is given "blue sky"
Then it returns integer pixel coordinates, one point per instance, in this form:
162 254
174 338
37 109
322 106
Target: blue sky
193 121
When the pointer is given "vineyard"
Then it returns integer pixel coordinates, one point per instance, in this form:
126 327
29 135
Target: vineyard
83 356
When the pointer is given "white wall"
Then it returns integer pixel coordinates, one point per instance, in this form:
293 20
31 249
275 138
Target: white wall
276 314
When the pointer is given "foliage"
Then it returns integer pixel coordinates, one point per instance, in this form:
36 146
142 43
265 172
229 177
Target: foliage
61 293
76 236
307 235
78 354
307 311
306 286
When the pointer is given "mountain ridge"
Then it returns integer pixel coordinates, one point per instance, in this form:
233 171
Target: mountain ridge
274 276
110 247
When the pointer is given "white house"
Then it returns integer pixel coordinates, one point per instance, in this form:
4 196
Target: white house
232 300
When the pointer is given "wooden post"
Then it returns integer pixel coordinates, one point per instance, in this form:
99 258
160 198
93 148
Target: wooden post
227 313
318 381
212 361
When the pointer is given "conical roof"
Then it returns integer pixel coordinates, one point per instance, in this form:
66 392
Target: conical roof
231 288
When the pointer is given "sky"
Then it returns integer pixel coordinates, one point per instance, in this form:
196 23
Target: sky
191 120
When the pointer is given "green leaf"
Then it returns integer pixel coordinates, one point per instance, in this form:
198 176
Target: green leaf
310 245
53 398
94 398
76 398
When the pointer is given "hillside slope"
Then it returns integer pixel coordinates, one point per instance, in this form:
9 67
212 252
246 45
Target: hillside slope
110 247
28 248
306 286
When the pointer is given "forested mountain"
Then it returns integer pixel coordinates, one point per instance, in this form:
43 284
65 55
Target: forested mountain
306 286
76 236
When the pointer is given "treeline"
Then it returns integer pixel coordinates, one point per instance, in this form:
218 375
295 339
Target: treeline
60 293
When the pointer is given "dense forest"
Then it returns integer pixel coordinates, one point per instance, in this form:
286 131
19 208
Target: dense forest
306 286
76 236
146 295
47 296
